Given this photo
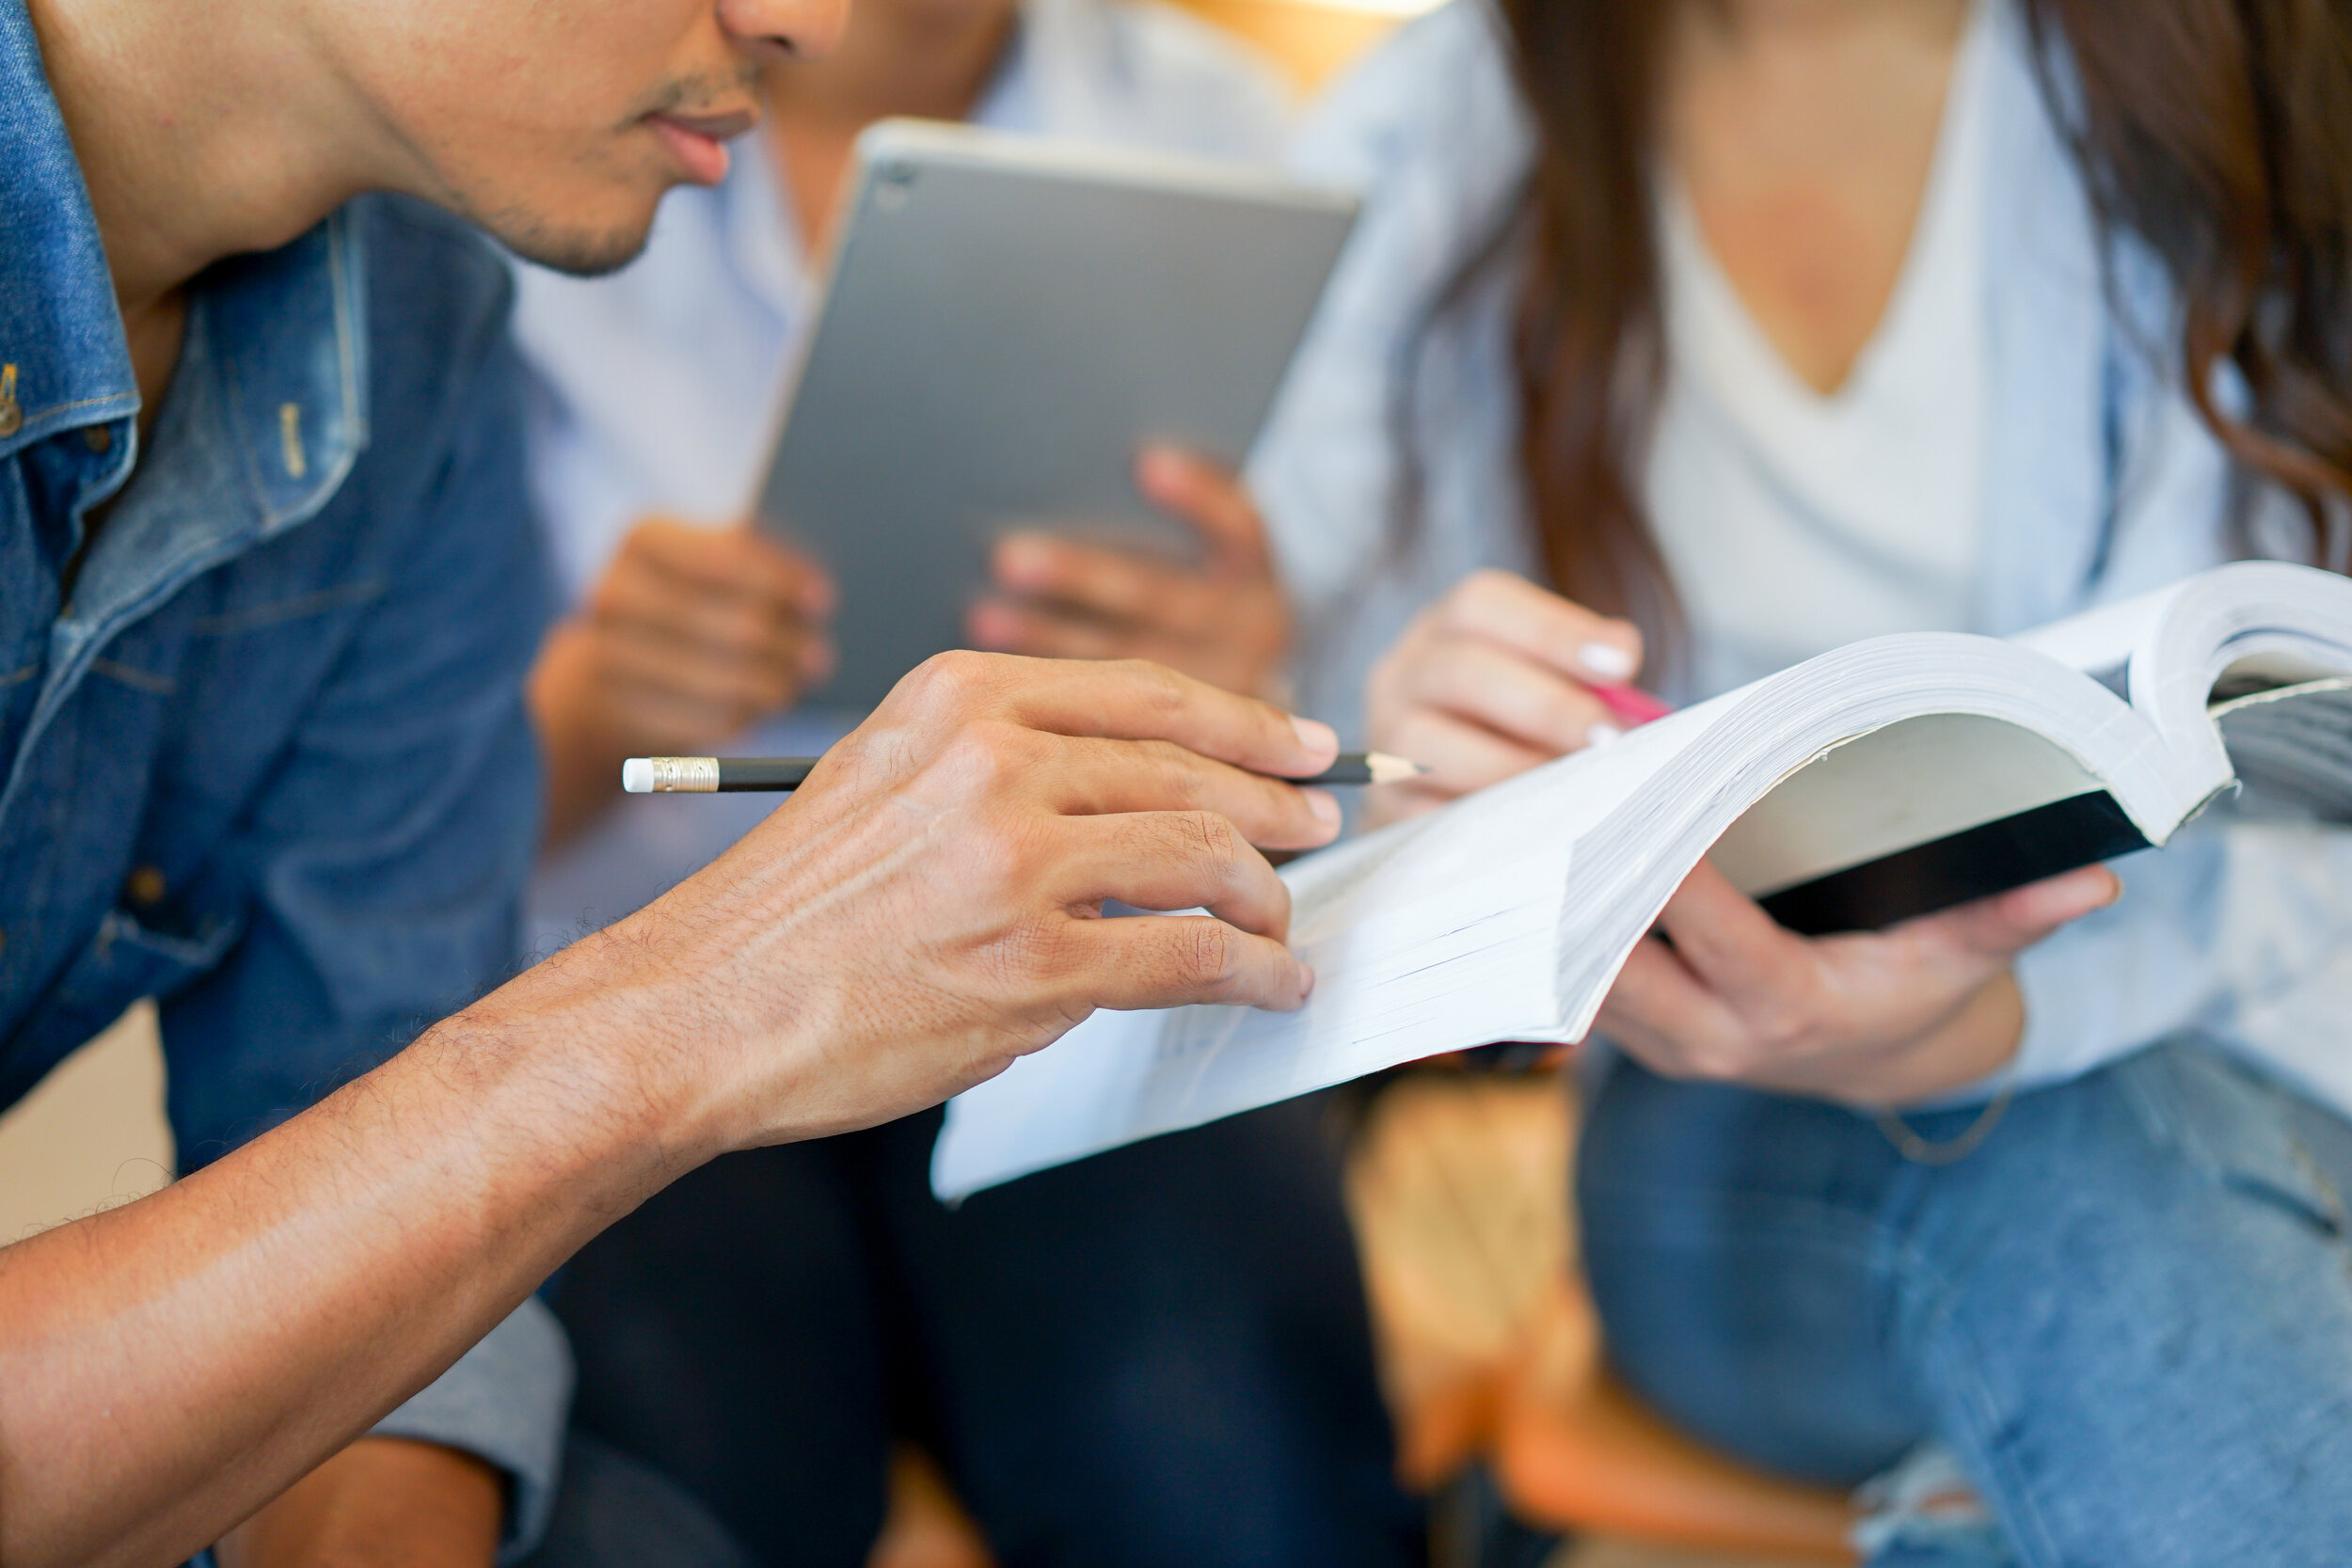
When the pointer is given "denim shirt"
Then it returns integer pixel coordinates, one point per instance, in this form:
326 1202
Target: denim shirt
265 753
2100 483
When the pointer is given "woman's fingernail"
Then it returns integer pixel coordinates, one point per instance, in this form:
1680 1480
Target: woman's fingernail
1325 805
1317 736
990 627
1024 560
1601 734
1607 661
1306 983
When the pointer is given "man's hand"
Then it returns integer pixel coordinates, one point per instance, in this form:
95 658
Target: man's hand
1877 1019
380 1503
692 634
1490 681
925 909
1224 623
926 906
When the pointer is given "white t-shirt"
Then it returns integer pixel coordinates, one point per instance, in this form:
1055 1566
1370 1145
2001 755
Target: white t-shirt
1794 522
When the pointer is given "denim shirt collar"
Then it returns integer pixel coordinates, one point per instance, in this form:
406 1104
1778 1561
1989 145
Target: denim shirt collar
59 329
268 412
278 336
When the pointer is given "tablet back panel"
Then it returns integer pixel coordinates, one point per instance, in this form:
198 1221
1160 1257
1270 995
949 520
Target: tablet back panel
1007 322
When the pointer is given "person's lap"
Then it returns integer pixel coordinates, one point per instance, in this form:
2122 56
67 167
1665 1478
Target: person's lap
2129 1312
1157 1356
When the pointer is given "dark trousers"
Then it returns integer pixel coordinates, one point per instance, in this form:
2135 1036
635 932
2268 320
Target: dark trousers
1157 1356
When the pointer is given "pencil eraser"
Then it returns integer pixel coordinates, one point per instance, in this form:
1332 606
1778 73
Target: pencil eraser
637 776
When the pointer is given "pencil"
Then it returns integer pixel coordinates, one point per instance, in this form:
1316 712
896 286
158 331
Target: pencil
729 775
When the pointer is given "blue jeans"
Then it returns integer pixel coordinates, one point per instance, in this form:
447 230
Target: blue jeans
2129 1313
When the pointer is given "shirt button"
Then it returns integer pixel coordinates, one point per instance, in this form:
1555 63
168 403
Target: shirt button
98 438
144 887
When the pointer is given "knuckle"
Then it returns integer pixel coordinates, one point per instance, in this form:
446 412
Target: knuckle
985 756
1214 839
949 681
1159 688
1176 778
1209 958
999 858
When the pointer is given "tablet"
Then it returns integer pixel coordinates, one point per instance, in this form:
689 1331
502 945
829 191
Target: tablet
1007 320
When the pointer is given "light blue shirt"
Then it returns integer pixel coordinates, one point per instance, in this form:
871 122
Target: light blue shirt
660 389
2098 483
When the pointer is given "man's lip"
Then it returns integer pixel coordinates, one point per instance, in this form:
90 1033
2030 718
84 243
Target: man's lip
698 143
717 127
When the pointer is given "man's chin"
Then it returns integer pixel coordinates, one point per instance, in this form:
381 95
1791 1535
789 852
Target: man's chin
578 251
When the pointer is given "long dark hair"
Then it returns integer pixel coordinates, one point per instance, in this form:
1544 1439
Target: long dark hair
2219 132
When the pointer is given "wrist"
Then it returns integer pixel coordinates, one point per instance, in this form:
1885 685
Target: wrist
615 1027
1974 1044
556 1061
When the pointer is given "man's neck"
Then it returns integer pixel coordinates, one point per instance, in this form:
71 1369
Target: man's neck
200 136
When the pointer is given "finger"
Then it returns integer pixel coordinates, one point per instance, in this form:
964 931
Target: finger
1127 700
1172 859
1213 500
1098 778
1460 756
1114 585
1158 960
642 719
1513 612
1662 1013
736 560
1044 632
1731 946
685 672
694 616
2009 923
1504 691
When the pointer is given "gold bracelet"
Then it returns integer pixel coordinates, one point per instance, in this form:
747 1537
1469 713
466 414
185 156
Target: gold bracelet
1919 1152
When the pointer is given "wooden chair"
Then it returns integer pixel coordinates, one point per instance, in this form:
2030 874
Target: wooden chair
1490 1349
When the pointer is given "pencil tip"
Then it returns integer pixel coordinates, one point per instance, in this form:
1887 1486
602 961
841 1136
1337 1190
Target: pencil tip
1385 768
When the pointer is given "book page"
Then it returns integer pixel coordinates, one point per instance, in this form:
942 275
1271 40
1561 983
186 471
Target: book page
1435 935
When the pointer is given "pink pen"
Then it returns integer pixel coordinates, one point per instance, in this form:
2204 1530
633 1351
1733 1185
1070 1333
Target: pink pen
1628 704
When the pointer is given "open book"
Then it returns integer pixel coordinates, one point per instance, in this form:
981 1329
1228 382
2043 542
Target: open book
1881 781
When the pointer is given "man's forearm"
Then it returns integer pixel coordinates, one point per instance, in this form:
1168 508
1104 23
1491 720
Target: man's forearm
188 1356
924 910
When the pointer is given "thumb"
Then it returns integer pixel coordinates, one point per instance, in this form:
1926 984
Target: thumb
2010 922
1212 501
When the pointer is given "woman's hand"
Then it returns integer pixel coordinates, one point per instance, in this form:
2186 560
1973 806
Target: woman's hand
1224 622
692 634
1876 1019
1490 681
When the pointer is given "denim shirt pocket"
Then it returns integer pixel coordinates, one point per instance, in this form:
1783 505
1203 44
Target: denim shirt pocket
128 961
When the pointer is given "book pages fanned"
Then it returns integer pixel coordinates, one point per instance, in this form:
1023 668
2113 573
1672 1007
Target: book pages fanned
1875 784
